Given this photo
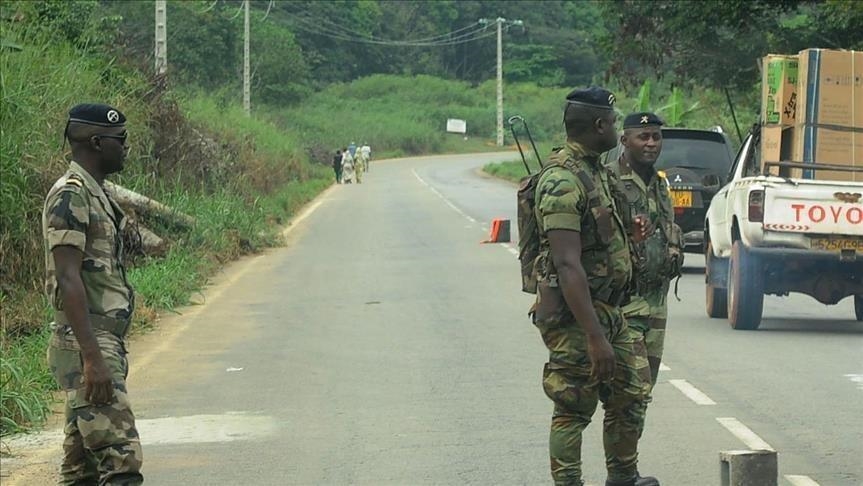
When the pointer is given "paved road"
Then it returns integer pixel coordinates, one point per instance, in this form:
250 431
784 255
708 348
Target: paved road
386 345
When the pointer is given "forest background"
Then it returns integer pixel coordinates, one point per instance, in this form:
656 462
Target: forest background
325 73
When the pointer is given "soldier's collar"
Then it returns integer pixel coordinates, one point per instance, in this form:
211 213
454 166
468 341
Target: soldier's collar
626 169
579 151
88 179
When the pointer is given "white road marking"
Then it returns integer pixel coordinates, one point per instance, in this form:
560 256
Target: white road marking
444 199
306 212
664 367
694 394
744 433
796 480
196 429
233 369
858 379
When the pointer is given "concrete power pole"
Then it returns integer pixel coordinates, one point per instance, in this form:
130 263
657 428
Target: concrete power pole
247 92
161 37
500 21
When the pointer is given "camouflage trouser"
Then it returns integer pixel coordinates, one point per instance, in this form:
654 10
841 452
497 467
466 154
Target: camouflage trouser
567 381
653 332
101 445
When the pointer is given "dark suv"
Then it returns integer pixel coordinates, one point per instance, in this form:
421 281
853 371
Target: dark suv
696 164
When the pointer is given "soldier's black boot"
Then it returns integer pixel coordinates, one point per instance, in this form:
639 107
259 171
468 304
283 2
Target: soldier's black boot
636 481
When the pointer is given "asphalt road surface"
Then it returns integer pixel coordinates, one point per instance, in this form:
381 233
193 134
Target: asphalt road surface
384 345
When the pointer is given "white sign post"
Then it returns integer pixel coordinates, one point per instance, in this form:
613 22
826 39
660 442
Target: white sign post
454 125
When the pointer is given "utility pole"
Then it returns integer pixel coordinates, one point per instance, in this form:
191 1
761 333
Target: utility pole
161 54
247 92
500 21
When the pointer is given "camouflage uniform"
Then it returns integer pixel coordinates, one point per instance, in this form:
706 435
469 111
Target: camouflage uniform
564 202
657 263
101 445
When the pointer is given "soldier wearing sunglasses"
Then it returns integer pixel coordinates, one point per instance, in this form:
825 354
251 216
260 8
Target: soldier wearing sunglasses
93 302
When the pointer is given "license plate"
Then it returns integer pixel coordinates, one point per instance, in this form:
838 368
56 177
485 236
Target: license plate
681 199
836 244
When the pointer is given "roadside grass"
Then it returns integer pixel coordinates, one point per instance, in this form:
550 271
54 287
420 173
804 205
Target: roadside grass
253 177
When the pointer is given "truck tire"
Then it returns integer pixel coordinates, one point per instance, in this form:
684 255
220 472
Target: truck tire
745 289
858 307
716 299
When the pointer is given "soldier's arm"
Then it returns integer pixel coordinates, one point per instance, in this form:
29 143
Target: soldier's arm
68 218
562 204
566 254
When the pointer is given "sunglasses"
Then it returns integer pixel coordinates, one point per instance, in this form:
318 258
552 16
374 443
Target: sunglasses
121 138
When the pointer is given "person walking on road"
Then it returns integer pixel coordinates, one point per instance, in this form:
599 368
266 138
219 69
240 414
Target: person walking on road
660 256
583 270
367 155
93 303
337 166
360 165
348 170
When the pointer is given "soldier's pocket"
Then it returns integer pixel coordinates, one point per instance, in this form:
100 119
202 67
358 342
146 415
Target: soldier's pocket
550 310
571 386
64 361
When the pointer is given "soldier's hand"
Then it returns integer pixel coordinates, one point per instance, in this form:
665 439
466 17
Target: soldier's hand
642 228
98 386
601 358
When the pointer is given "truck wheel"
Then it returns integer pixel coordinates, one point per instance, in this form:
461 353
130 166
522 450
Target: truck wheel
745 289
716 299
858 307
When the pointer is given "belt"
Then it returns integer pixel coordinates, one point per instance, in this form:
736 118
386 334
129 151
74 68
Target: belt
117 327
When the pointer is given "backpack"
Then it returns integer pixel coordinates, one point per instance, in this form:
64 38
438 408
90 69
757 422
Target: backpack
528 228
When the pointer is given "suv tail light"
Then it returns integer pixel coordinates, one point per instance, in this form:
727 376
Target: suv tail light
756 206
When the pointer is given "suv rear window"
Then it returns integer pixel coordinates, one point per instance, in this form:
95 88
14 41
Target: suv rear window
702 152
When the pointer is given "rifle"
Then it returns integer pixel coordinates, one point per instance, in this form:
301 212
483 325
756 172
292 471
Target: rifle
511 122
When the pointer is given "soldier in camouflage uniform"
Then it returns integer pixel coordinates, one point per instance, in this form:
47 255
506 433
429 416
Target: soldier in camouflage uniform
583 271
659 257
86 284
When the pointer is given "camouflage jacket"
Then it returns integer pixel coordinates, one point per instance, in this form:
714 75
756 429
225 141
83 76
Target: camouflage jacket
563 202
80 214
653 200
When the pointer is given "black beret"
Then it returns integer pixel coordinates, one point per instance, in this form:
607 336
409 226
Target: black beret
593 96
97 114
641 119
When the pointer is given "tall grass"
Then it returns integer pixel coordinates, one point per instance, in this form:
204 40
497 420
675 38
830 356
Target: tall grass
252 176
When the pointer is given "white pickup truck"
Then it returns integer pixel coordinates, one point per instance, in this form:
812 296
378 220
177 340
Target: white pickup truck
771 235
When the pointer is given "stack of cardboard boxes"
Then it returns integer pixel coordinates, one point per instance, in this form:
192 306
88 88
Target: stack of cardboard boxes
812 111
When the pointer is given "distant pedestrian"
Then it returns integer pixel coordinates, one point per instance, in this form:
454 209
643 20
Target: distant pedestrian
367 155
352 148
360 166
337 166
93 302
348 173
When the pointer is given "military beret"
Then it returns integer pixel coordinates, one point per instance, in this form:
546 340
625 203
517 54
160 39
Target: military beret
97 114
641 119
593 96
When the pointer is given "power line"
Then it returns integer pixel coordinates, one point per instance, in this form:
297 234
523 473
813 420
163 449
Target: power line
305 24
312 25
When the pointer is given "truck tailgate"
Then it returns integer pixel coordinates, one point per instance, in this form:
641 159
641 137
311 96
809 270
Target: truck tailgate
814 207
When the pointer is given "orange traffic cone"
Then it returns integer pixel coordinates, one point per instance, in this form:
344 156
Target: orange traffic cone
499 232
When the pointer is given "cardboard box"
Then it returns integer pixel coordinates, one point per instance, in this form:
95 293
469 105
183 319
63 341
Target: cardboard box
776 146
830 90
779 78
821 145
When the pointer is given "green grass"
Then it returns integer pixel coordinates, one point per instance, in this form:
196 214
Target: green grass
25 382
251 179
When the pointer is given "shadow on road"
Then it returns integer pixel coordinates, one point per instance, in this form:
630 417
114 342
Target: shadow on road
820 326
